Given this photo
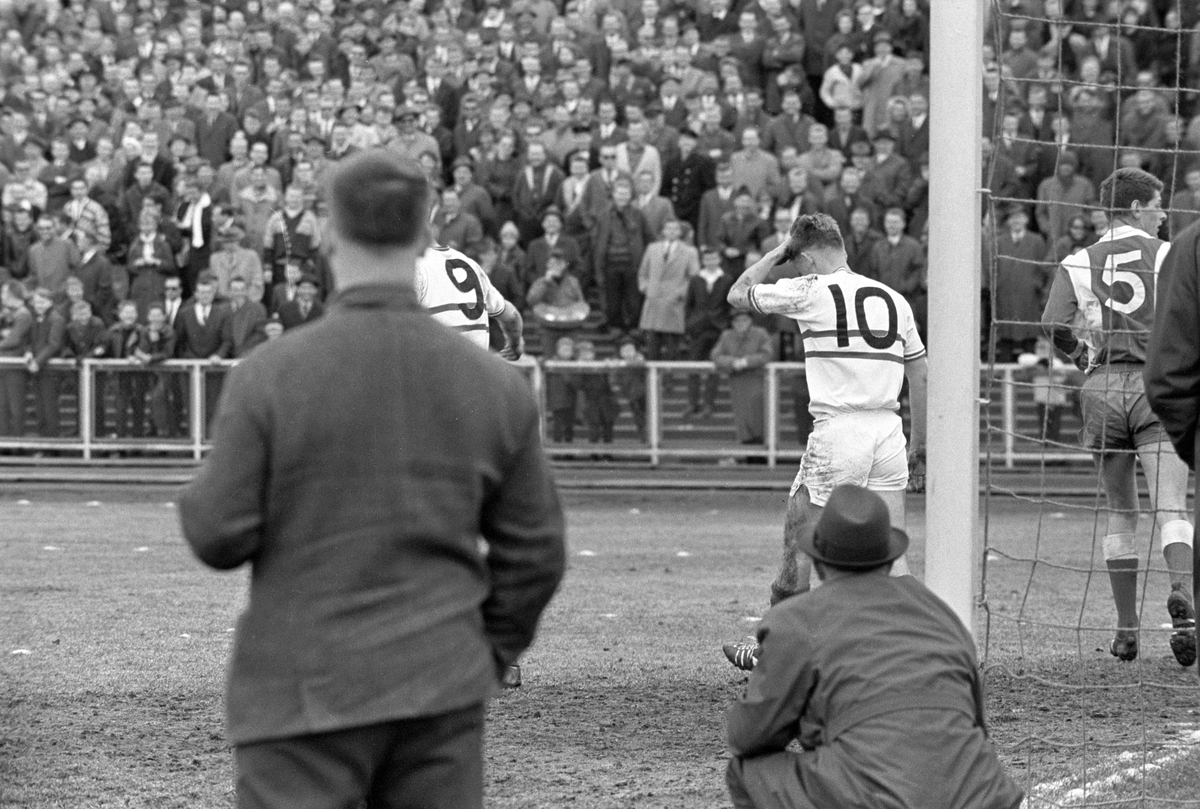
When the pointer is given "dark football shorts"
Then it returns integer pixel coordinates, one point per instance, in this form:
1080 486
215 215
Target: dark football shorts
1116 413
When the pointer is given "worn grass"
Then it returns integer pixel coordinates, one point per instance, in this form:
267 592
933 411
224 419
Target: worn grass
119 699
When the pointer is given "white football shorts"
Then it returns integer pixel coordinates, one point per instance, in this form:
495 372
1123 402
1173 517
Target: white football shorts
866 448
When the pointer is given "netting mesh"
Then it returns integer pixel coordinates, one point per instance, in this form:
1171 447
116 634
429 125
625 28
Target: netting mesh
1074 91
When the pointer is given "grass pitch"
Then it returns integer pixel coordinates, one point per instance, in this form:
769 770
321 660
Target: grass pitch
113 644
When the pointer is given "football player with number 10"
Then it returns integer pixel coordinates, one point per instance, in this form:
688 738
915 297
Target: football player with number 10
860 342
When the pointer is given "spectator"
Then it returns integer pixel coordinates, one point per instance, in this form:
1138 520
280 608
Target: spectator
687 176
845 133
847 196
619 238
305 307
1020 286
820 162
888 177
572 194
636 155
472 196
861 239
202 334
557 301
19 234
51 259
16 331
1078 236
86 337
1062 198
235 261
826 677
149 261
1185 203
46 342
503 277
898 260
244 326
657 209
663 276
292 233
454 227
511 255
741 352
81 211
599 404
753 168
552 239
630 378
741 230
707 317
562 393
715 203
124 336
536 187
156 344
878 81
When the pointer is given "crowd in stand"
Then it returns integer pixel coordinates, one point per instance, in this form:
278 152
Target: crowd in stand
161 160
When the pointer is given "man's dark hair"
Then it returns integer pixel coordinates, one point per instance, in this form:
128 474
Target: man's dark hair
1124 186
814 231
379 199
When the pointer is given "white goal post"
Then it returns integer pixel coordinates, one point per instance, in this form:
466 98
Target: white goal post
955 117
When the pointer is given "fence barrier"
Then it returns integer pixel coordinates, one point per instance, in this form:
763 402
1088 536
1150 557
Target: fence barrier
107 407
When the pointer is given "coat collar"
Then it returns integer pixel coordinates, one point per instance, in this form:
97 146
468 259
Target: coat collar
381 296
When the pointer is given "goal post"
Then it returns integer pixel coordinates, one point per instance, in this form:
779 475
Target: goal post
955 117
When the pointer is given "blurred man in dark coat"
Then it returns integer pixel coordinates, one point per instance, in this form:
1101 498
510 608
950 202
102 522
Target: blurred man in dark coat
875 677
1172 370
404 541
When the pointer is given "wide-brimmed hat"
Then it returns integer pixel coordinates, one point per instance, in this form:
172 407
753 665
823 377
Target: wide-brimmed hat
855 531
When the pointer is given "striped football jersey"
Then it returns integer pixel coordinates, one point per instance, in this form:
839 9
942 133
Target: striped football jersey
857 333
1104 296
457 292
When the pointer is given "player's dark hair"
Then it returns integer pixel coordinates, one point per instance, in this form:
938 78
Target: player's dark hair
1124 186
814 231
379 199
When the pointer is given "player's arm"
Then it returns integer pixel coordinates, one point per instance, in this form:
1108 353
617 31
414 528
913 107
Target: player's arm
916 371
507 317
1061 309
513 327
739 293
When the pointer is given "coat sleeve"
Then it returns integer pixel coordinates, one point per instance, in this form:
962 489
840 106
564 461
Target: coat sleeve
1172 371
54 342
222 510
523 524
767 717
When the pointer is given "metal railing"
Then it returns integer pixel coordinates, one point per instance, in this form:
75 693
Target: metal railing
668 435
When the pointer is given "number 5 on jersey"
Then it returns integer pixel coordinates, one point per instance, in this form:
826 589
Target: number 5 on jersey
1113 275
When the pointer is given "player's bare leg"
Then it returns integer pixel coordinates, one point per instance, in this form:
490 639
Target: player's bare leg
899 515
1117 474
795 571
1167 480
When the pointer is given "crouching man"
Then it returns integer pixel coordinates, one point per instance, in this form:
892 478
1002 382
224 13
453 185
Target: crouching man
876 678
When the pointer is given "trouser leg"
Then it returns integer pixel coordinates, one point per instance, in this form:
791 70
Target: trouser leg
770 781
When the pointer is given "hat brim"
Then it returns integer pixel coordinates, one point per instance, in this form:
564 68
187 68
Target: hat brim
896 546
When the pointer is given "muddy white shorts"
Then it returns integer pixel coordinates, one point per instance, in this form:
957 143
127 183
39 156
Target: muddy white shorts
865 449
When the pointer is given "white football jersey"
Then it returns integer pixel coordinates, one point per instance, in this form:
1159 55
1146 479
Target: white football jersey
857 333
457 292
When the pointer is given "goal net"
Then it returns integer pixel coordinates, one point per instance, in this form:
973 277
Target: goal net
1074 90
